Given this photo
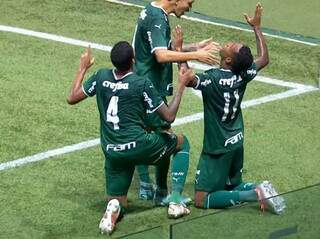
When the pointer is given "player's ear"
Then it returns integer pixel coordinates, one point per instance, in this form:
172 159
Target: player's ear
228 60
133 61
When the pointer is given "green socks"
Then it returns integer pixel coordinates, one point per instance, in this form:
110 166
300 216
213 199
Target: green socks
143 173
223 199
180 165
244 187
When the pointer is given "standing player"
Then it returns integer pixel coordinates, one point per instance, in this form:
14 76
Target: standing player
122 99
154 56
218 181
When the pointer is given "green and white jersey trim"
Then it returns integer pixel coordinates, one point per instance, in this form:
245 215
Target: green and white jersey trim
124 76
155 109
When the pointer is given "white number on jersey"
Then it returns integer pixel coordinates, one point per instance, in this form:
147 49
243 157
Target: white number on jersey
227 104
112 112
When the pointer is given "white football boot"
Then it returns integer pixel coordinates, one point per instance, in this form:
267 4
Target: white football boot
110 217
176 210
269 198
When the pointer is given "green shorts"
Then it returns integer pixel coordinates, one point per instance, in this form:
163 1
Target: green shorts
219 172
154 149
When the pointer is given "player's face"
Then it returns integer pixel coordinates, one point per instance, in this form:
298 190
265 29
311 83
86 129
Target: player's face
229 49
183 6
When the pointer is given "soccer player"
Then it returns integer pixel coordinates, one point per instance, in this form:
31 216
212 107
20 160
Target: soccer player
155 53
218 182
122 99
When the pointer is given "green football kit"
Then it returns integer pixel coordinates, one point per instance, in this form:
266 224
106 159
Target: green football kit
221 160
153 32
122 103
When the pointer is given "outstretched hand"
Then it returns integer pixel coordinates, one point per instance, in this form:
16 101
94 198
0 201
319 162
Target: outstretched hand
177 39
208 44
255 21
86 60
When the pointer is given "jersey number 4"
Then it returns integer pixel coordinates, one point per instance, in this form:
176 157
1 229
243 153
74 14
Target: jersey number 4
227 97
112 112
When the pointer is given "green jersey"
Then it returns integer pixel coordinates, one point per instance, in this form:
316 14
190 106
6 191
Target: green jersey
153 32
222 93
122 103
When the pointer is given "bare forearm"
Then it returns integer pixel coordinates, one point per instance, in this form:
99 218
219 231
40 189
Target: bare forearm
262 50
174 56
190 47
175 102
76 88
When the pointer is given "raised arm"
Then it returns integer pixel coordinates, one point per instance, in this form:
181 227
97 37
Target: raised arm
202 55
169 112
77 94
255 22
205 53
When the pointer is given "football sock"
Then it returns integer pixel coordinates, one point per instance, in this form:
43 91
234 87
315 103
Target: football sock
162 173
122 212
180 165
244 187
223 199
248 196
143 173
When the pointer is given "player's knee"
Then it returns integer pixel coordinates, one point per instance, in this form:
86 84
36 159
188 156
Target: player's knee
199 199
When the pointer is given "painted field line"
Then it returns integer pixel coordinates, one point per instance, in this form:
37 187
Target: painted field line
102 47
195 19
180 121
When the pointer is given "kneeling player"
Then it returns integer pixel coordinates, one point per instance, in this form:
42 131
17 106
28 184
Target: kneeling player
218 181
122 100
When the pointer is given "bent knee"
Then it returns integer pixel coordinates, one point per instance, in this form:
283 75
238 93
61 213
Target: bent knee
199 199
183 142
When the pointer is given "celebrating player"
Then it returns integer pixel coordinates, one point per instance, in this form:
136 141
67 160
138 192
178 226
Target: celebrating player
218 182
122 99
154 56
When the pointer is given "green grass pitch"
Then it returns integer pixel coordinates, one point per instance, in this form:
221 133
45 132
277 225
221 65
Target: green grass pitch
64 197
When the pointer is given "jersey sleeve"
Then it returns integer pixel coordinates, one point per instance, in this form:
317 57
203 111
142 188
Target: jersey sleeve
89 86
152 99
204 80
250 73
157 34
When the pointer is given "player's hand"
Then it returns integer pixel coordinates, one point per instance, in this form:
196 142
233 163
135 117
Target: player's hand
209 45
256 20
208 57
185 76
86 60
177 39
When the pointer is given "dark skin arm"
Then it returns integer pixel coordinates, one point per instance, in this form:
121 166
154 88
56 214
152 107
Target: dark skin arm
77 94
255 22
168 113
263 56
183 66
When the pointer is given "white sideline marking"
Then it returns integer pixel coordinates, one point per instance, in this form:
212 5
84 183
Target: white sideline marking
222 25
54 37
49 153
298 89
179 121
102 47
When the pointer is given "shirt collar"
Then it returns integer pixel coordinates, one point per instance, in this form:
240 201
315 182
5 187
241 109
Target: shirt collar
115 76
154 5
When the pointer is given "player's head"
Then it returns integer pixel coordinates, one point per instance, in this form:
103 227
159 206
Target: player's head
122 56
181 6
236 56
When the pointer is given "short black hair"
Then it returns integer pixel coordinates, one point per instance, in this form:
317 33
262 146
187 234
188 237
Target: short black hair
122 55
242 60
